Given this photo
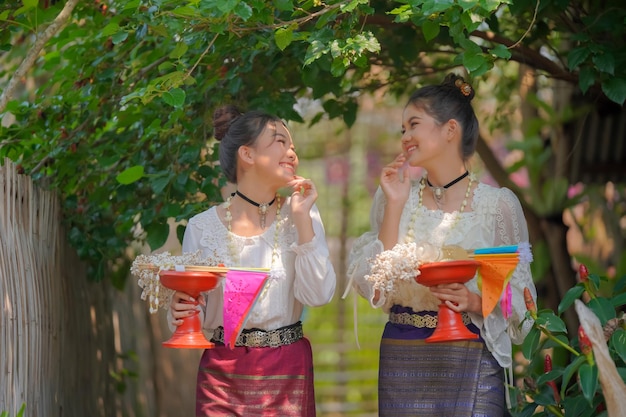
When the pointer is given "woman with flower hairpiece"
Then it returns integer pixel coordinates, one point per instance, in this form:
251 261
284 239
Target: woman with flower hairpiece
270 369
447 207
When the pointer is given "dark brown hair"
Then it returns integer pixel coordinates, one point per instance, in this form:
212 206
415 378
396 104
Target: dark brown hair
235 129
451 100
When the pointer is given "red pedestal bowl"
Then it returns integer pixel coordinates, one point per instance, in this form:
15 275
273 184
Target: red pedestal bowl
450 326
189 334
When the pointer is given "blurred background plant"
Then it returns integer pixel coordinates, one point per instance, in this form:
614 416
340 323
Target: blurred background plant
20 413
562 377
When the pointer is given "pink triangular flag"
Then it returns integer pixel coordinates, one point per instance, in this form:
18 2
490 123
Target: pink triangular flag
241 292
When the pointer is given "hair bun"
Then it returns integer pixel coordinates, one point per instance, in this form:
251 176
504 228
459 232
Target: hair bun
460 85
223 117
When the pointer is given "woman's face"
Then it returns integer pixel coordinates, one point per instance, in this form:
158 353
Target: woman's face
423 139
275 154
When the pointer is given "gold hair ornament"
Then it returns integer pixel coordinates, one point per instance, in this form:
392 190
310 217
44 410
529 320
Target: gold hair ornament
465 88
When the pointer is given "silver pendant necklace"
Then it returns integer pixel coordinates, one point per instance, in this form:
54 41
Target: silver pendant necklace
262 206
439 193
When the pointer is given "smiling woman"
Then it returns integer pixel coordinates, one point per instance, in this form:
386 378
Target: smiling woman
446 207
270 368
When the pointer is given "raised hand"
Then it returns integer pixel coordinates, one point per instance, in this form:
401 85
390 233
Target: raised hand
304 195
394 180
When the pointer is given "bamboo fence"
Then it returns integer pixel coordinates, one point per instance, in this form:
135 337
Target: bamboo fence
54 331
72 347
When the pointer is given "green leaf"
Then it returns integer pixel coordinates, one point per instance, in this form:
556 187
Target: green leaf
244 11
605 63
549 343
577 406
283 37
284 5
28 5
179 50
350 7
618 340
473 61
553 375
159 183
315 50
501 51
133 4
551 322
603 308
435 6
586 78
529 410
130 175
572 294
469 23
180 232
185 11
110 29
577 56
157 234
531 342
430 29
174 97
588 381
570 371
619 300
350 113
171 210
595 280
402 13
119 37
615 89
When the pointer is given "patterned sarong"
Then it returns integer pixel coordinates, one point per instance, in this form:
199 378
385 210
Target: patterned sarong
245 381
452 379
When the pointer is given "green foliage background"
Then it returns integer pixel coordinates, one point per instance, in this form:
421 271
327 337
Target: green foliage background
115 113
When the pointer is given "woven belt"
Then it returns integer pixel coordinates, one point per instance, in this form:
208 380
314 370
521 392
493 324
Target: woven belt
262 338
421 320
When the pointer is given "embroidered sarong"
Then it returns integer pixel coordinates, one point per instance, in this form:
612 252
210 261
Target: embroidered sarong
246 381
451 379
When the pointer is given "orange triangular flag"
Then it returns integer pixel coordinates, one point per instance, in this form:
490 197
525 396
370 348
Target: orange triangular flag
241 292
493 275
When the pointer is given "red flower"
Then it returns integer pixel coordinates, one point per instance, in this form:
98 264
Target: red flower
530 302
547 367
584 273
584 342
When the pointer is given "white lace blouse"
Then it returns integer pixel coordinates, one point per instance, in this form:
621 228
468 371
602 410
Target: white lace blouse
496 218
308 277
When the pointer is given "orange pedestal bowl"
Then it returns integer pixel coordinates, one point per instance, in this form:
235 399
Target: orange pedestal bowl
189 334
450 326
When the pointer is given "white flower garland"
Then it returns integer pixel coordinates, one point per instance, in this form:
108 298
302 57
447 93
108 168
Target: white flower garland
402 262
147 268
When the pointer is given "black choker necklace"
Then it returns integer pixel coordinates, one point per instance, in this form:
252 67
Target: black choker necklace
438 192
262 206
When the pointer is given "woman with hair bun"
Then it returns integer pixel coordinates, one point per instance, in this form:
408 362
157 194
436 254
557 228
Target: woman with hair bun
270 369
447 207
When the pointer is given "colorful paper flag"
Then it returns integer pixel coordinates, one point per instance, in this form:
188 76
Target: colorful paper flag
241 292
494 274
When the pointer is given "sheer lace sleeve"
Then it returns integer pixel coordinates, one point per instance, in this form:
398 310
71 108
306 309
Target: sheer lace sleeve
364 248
510 228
